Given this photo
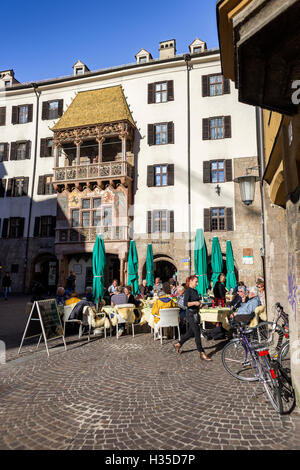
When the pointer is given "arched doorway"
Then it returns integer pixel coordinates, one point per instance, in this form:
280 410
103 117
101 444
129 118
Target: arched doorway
45 271
209 268
164 267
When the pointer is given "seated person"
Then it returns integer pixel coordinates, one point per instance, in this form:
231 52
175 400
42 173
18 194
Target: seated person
74 299
61 296
246 311
113 288
89 294
130 297
164 301
157 286
145 291
239 298
119 297
260 284
77 312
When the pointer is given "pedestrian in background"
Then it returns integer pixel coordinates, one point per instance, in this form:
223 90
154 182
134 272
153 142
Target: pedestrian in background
6 283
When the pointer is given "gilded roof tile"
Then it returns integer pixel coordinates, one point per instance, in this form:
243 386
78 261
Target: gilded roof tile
95 107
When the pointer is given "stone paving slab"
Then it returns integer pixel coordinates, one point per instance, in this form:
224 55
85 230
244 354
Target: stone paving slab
133 394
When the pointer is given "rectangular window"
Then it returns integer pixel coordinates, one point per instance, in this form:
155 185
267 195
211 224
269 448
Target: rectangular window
216 128
142 60
197 50
86 204
97 218
161 134
53 109
159 221
79 71
49 148
49 189
75 218
96 203
217 217
23 114
107 217
217 171
2 152
14 227
46 226
216 85
161 175
18 187
161 95
21 151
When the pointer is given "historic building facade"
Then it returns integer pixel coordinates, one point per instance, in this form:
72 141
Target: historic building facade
121 152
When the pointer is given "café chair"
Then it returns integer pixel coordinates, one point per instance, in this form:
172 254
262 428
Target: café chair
169 317
84 322
124 316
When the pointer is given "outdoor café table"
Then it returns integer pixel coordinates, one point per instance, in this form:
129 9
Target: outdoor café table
215 315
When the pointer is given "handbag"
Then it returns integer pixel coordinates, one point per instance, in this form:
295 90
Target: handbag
196 316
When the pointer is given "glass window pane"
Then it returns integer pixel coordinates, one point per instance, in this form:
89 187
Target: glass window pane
214 165
213 134
214 212
214 178
164 169
221 176
219 89
164 180
75 218
164 86
96 218
157 170
220 133
164 138
85 219
107 216
221 165
157 180
157 86
86 203
221 212
212 90
219 78
164 97
157 97
212 79
97 203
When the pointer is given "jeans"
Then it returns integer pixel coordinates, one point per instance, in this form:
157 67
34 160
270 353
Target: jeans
5 292
194 330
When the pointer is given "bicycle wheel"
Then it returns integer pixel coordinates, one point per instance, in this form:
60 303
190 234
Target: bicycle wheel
272 389
238 362
266 333
286 390
284 356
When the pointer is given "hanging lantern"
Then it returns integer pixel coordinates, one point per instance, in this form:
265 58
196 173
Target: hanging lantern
247 188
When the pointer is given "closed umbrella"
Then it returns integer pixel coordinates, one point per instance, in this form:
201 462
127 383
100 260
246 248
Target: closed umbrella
150 266
216 260
230 276
99 262
200 258
133 267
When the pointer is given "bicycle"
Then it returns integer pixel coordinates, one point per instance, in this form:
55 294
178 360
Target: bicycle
250 361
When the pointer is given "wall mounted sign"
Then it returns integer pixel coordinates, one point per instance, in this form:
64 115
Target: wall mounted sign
247 256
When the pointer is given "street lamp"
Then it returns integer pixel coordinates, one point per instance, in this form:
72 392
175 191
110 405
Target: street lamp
247 186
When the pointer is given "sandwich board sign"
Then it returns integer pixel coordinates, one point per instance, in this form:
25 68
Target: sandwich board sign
43 322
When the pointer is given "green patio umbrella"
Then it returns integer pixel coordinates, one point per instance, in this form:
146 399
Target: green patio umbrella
133 267
200 259
150 266
99 262
216 260
230 277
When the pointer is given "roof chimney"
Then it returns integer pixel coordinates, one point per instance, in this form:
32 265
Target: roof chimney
167 49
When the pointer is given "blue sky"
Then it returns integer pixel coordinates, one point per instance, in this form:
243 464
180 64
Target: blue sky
44 39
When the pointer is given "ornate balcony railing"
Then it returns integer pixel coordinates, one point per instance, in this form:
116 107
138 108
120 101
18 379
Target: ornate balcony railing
93 171
89 234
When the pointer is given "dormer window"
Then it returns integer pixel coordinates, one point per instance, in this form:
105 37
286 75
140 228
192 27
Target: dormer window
143 60
79 71
7 83
143 56
197 46
80 68
197 50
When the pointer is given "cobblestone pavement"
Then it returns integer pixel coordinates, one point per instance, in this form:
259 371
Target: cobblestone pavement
133 393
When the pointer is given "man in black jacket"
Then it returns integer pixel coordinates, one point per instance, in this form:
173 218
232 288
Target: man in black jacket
6 283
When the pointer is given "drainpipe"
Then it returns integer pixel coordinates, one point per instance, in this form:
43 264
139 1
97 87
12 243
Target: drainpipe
187 59
261 169
37 94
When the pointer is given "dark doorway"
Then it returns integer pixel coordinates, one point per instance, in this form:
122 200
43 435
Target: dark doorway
164 269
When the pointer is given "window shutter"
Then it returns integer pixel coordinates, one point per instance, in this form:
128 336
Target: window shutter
21 227
171 221
226 86
229 219
25 186
170 86
13 151
2 116
171 132
5 228
227 124
150 176
205 129
149 222
170 176
2 187
206 172
150 93
36 231
9 187
41 185
205 88
30 111
151 134
14 115
28 149
5 154
207 226
43 148
53 225
45 110
60 108
228 171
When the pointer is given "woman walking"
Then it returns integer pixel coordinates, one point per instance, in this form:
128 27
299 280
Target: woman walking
192 302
